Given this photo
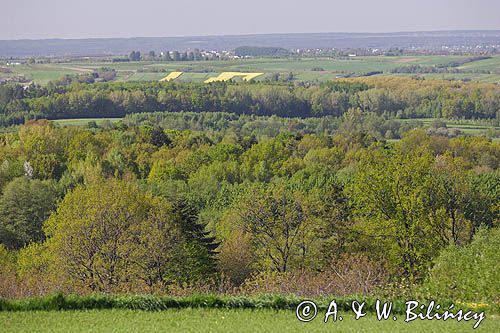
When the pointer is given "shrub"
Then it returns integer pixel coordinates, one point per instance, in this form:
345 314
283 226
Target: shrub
351 274
8 279
469 273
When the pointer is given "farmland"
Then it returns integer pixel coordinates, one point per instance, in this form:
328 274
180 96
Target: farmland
84 122
303 69
213 320
468 127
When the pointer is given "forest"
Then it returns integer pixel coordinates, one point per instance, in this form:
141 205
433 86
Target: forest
390 97
133 207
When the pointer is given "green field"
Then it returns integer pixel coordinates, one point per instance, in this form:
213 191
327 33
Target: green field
468 127
302 68
217 320
85 121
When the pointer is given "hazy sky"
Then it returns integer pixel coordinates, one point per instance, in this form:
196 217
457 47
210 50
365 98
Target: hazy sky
134 18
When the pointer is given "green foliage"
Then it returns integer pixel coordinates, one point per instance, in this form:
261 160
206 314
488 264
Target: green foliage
43 148
218 199
24 206
387 96
468 273
391 190
107 233
88 234
276 220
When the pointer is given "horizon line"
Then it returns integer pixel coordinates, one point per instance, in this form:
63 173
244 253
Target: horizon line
252 34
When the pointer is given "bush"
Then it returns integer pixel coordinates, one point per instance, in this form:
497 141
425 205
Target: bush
9 286
470 273
352 274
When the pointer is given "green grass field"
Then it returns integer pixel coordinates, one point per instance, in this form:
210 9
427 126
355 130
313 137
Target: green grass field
84 121
468 127
325 68
217 320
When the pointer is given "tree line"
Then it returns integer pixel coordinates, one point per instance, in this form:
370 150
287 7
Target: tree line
195 55
388 97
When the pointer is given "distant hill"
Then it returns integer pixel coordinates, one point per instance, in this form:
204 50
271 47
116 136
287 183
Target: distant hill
117 46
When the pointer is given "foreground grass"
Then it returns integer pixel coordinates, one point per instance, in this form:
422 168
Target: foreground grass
216 320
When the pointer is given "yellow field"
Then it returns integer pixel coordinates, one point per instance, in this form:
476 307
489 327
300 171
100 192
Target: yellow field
252 76
226 76
171 76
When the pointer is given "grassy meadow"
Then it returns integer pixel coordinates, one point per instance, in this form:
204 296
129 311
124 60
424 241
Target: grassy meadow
84 122
468 127
217 320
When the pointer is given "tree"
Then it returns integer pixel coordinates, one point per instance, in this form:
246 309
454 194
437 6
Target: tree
110 235
394 205
274 218
158 137
329 230
289 77
24 206
455 195
166 56
197 55
43 147
159 252
10 169
264 160
200 246
89 233
135 56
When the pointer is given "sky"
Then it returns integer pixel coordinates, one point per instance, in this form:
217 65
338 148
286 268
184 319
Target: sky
38 19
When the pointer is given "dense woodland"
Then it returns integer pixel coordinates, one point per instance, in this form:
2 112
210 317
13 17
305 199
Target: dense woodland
385 96
261 187
134 207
